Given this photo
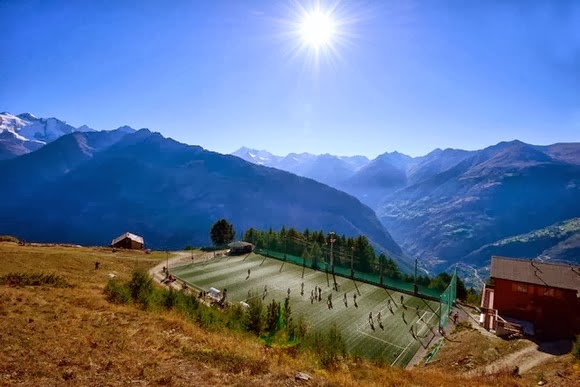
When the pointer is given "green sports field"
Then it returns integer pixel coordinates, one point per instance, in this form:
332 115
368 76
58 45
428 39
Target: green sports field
392 342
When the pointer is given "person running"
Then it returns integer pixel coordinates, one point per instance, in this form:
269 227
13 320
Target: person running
302 289
319 294
97 264
379 317
371 317
345 300
288 292
402 299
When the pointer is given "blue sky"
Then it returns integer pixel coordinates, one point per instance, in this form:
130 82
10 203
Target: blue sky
405 75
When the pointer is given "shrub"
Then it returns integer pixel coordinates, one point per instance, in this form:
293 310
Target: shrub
235 317
170 298
34 279
254 321
9 238
141 288
272 316
117 292
329 346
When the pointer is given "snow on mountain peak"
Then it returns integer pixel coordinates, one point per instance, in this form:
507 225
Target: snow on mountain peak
85 128
27 116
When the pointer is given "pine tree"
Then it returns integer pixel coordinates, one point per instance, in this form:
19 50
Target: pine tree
222 232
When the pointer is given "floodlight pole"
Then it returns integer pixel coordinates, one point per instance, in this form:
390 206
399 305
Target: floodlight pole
352 261
381 268
415 288
332 240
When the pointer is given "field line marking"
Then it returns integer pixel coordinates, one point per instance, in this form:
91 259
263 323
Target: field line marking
402 352
411 341
384 341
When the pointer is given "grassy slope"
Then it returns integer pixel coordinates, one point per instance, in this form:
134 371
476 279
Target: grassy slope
73 336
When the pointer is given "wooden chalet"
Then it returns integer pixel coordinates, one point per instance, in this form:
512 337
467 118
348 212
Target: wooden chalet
128 241
532 297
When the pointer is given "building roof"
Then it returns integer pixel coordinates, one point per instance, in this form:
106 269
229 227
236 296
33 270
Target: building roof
239 245
556 275
136 238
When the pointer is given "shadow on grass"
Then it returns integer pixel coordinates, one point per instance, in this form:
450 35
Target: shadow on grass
34 279
228 362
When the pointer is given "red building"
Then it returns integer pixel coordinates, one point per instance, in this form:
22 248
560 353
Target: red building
532 297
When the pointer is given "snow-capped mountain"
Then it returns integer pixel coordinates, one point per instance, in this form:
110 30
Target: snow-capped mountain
326 168
260 157
24 133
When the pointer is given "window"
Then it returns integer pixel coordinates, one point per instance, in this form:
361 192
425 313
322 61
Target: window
523 288
549 292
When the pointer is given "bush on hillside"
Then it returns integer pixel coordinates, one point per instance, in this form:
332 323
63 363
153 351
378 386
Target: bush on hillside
141 288
117 292
9 238
329 347
170 298
254 321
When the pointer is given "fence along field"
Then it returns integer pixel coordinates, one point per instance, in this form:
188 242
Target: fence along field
393 342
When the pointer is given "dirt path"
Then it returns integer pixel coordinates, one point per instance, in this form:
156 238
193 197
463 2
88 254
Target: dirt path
525 359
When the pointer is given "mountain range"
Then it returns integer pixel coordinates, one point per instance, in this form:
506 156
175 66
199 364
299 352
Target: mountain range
445 207
89 187
448 207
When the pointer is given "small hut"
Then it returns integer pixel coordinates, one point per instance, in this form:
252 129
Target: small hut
128 241
239 248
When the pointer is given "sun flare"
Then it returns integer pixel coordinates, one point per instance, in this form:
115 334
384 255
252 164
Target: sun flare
317 29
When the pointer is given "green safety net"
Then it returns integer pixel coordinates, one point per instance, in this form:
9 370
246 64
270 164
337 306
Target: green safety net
447 299
346 272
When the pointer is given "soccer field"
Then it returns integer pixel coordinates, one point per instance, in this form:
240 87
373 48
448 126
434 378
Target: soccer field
393 342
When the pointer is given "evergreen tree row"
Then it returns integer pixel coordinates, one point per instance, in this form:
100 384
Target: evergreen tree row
315 245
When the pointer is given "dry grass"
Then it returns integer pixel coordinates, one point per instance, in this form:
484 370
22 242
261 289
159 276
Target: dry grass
562 371
73 336
468 349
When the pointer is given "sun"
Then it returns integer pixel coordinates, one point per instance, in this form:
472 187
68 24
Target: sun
317 29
